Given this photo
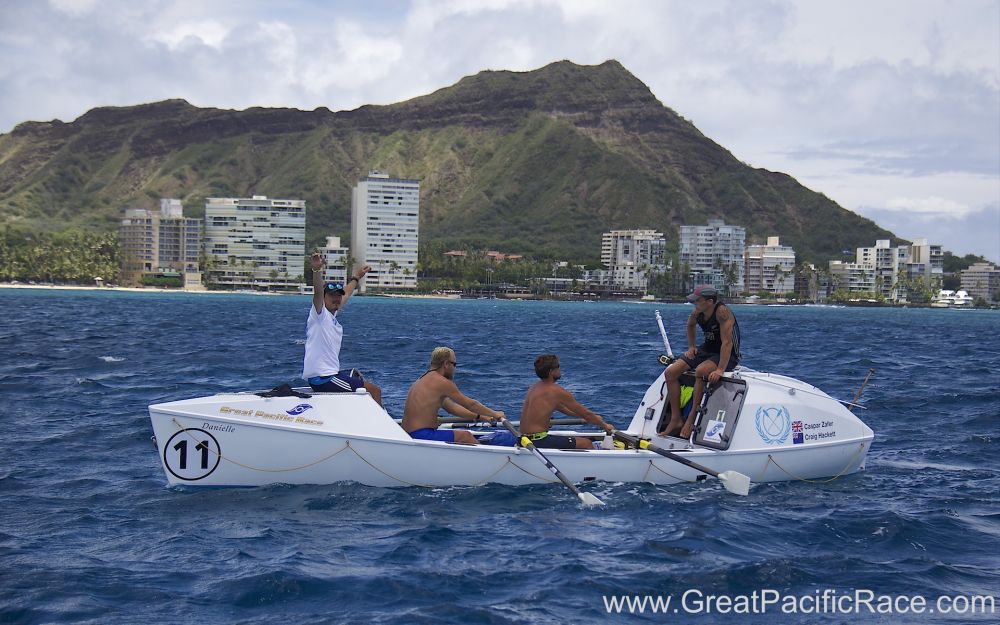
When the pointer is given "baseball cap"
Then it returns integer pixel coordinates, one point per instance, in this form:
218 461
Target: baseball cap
702 290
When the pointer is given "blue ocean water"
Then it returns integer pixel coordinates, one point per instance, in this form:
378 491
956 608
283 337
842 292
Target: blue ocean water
90 532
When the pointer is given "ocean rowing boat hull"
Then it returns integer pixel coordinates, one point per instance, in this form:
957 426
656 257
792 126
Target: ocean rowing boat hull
240 439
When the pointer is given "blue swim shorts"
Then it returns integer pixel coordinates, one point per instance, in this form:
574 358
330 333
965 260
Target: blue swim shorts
430 434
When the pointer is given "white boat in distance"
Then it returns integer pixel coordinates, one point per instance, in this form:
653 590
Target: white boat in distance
952 299
766 426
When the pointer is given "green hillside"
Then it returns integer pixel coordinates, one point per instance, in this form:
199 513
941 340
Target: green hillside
538 162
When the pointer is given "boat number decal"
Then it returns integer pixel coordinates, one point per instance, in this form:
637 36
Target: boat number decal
191 454
714 431
774 424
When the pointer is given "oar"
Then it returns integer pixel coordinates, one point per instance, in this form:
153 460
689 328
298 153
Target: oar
485 422
586 498
734 482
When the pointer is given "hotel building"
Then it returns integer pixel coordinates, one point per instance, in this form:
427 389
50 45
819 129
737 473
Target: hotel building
160 243
769 268
255 242
982 280
385 212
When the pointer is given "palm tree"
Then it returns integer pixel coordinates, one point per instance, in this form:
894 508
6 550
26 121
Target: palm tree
393 268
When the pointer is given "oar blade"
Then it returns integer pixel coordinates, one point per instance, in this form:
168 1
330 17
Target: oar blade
588 499
735 482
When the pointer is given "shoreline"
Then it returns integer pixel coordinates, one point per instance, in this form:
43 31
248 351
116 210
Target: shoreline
162 290
130 289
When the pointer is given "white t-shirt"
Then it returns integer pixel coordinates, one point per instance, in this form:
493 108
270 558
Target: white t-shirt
324 334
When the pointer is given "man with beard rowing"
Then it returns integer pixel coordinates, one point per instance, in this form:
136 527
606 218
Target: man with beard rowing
546 397
434 390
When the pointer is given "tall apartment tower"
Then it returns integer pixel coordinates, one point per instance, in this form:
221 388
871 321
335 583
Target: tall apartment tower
255 242
385 212
770 267
630 255
160 242
714 254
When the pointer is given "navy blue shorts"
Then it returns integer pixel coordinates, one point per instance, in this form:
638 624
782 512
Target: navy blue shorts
430 434
342 382
701 356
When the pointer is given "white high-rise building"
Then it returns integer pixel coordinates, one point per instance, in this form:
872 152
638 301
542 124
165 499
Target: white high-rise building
770 267
630 255
255 242
385 215
336 258
714 254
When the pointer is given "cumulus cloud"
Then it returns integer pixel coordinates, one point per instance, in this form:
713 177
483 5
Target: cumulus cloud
936 206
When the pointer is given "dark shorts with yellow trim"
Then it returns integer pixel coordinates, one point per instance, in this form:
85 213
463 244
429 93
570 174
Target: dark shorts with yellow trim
553 441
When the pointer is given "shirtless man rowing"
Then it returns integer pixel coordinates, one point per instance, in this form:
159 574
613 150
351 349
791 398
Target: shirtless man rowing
547 396
436 389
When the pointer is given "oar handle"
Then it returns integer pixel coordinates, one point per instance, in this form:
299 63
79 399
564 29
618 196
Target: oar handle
644 444
733 481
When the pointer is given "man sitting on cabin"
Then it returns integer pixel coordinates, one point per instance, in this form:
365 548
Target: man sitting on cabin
547 396
720 352
436 389
324 335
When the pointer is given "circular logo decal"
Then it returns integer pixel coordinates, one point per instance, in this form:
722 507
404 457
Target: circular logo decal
191 454
773 424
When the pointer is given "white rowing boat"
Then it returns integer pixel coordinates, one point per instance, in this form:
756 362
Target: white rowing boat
768 427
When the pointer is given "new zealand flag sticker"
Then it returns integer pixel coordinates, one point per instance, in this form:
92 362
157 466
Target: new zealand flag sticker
796 432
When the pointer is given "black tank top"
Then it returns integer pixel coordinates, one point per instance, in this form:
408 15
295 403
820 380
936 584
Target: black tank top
713 334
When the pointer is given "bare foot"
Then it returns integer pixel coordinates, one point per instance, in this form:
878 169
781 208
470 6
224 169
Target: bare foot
685 432
672 428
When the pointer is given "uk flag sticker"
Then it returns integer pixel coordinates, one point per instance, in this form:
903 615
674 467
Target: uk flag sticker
796 432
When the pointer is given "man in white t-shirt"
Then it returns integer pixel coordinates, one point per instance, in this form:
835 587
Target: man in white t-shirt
324 335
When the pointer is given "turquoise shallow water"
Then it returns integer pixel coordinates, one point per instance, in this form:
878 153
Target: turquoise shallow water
89 531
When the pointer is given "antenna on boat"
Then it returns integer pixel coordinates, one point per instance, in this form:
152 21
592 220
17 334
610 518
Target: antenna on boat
666 342
857 396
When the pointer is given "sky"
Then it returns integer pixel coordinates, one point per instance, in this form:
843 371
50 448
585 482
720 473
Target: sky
889 107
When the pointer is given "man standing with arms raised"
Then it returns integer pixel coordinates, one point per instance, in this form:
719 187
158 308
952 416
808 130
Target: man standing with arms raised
720 352
324 335
436 389
546 397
